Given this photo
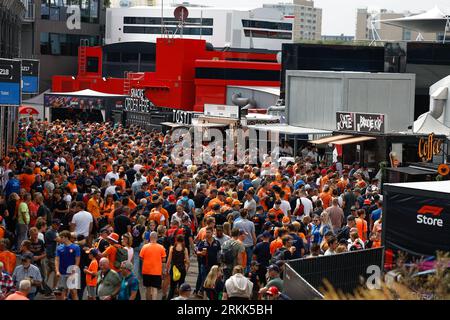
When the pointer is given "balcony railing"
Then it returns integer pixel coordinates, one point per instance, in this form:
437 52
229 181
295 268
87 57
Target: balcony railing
29 10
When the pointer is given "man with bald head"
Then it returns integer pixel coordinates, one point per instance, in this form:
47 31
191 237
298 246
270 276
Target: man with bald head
108 281
153 256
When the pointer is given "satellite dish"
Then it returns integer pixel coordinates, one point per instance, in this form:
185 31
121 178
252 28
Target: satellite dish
181 13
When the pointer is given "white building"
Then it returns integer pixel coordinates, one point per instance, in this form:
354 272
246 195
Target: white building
261 28
131 3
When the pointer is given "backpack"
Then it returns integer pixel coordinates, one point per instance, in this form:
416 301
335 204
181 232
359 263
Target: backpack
121 256
172 234
227 254
278 255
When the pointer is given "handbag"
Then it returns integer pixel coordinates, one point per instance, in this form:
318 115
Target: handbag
176 274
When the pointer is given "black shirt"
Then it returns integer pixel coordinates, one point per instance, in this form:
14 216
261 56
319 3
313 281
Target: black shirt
121 223
262 253
199 199
213 250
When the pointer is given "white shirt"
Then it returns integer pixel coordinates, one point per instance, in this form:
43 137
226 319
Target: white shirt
82 220
137 167
111 175
110 190
285 206
130 254
307 204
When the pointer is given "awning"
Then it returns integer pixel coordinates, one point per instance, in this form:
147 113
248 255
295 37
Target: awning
353 140
210 125
288 129
331 139
174 125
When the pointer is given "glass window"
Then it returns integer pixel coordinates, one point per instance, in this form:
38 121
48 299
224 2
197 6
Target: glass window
113 57
54 13
266 25
167 21
130 57
45 43
55 44
157 30
92 64
267 34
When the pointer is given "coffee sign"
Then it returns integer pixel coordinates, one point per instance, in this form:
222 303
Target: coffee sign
360 122
429 147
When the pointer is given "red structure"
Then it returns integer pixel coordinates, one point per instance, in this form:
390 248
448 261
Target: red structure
187 74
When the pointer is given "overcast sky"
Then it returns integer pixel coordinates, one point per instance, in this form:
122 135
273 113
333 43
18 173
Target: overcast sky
339 16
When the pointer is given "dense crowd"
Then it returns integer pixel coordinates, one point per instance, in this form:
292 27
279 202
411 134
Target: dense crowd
97 211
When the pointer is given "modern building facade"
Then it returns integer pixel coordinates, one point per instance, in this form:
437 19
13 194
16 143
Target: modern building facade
131 3
367 23
261 28
307 18
52 32
11 12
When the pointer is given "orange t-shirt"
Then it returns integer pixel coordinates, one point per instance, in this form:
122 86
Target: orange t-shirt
361 225
156 216
261 194
122 184
326 199
132 205
212 202
17 296
275 244
9 261
111 253
72 187
92 280
152 255
287 193
201 235
2 232
93 208
276 212
26 181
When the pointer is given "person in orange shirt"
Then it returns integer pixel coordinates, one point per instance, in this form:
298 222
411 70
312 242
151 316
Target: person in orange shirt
121 181
22 293
277 211
201 235
153 257
72 185
286 188
326 197
278 242
27 179
241 238
7 257
93 205
111 251
158 207
107 208
91 274
361 224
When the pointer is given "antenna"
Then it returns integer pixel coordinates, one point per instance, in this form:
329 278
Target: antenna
162 18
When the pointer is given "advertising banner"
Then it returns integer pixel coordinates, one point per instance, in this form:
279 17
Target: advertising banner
74 102
10 76
360 122
415 224
30 76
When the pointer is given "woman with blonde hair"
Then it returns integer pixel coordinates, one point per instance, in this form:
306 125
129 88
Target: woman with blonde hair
213 285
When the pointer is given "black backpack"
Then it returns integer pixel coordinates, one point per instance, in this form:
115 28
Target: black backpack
227 255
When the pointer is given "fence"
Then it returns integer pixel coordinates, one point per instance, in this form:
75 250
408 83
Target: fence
297 288
344 271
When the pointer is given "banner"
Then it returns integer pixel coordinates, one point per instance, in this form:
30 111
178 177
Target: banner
74 102
416 225
10 76
360 122
30 76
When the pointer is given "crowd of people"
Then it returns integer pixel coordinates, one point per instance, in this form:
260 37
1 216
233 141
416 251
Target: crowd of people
97 211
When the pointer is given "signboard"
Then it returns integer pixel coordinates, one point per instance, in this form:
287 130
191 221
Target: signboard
222 111
360 122
415 224
30 76
138 102
10 76
73 102
183 117
429 147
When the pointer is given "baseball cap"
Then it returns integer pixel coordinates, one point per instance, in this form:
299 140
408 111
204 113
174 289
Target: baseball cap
272 291
185 287
172 197
268 224
266 234
273 267
367 201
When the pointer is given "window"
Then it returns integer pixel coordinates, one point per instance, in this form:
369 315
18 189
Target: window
56 10
267 34
113 57
92 64
63 44
129 57
167 21
157 30
266 25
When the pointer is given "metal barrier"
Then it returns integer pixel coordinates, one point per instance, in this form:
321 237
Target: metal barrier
297 288
345 271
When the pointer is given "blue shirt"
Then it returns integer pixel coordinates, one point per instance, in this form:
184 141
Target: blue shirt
298 184
129 285
376 214
67 255
247 184
315 232
13 185
185 202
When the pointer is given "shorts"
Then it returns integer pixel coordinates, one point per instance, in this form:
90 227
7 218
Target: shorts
91 291
152 281
62 282
51 265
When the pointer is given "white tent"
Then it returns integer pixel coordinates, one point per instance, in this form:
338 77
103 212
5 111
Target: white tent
86 93
427 124
431 21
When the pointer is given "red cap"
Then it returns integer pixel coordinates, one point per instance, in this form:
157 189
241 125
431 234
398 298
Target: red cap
272 291
323 172
172 198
